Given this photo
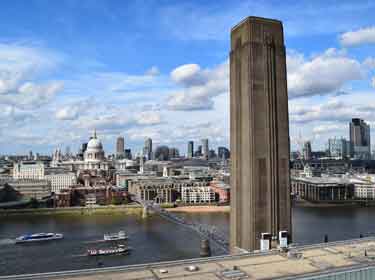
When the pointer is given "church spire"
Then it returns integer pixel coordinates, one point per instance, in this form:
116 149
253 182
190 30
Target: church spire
94 133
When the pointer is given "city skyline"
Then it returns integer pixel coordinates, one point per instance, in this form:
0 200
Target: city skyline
138 82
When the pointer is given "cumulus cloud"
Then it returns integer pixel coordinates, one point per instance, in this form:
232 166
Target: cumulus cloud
148 118
67 113
331 111
199 87
30 95
323 74
329 128
369 63
358 37
137 134
20 67
115 121
188 75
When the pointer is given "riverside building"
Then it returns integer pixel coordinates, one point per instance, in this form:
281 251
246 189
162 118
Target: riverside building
197 195
32 188
28 170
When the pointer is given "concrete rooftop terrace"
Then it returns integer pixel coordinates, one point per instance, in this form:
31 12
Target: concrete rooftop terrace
308 262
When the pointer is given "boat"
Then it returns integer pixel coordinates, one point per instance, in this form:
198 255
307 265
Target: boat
38 237
121 235
120 249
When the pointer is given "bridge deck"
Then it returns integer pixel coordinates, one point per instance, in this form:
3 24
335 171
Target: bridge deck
209 232
309 260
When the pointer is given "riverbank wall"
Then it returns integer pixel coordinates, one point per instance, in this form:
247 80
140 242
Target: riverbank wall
341 203
200 209
104 210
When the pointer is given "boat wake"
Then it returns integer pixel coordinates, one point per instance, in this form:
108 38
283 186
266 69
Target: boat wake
6 241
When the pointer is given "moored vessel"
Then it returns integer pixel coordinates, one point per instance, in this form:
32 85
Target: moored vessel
121 235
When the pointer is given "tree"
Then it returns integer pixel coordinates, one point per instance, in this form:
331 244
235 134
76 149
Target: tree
116 200
34 203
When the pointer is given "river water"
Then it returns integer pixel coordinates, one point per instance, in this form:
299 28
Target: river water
153 239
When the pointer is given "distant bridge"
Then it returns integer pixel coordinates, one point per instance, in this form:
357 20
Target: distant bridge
208 232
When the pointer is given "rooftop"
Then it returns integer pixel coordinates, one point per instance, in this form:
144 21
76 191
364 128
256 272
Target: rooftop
306 261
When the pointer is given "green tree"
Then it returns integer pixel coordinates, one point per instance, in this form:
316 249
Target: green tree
34 203
116 200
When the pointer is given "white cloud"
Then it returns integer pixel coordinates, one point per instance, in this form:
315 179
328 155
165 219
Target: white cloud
188 74
329 128
114 121
30 95
373 82
139 135
67 113
358 37
323 74
369 63
199 86
20 68
332 110
148 118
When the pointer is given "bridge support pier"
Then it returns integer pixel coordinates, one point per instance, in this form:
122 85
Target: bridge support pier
205 248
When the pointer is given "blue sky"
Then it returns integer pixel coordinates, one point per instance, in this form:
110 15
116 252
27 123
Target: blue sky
160 69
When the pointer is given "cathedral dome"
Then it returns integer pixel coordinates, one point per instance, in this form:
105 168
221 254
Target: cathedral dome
94 144
94 151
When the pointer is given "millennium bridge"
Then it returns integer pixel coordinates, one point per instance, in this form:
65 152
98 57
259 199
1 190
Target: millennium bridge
207 232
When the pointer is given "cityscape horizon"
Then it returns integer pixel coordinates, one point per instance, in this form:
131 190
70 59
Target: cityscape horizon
180 139
125 89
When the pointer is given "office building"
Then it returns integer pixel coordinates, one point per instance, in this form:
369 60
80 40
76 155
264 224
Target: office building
197 195
319 189
28 170
60 180
259 133
307 150
162 153
360 142
190 151
147 149
223 153
128 154
174 153
198 152
205 148
339 148
32 188
120 147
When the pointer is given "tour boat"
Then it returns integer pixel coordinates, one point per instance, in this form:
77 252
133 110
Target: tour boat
115 236
121 249
38 237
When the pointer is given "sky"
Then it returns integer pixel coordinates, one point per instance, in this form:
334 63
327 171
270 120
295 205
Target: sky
159 69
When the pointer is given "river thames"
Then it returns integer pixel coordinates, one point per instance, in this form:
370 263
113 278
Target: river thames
153 239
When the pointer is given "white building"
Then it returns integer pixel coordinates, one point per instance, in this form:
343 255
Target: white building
364 191
196 195
32 188
60 181
28 170
90 200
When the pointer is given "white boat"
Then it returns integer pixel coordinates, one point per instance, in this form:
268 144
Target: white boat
121 235
38 237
